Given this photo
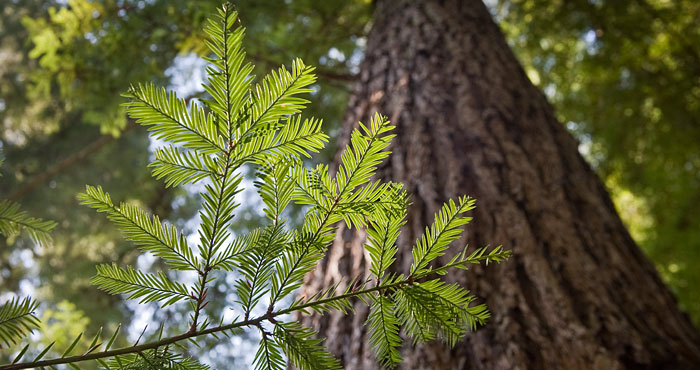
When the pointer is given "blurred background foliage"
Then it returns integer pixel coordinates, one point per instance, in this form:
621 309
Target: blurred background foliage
624 77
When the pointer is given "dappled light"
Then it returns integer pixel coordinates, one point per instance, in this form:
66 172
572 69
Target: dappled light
234 230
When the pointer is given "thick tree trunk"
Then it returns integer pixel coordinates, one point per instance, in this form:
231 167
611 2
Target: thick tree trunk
578 293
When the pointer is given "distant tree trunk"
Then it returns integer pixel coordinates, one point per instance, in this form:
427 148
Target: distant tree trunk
578 293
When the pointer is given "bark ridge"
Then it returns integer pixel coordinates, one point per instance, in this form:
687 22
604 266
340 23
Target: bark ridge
578 293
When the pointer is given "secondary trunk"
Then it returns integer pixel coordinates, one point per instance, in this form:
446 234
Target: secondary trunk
578 293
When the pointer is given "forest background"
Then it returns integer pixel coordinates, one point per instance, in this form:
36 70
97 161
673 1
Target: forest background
624 77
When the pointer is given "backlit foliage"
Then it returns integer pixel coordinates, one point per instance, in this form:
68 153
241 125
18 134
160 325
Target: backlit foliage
245 123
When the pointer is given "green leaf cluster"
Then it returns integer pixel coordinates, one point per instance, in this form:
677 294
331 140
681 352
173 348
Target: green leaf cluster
208 142
13 221
17 316
17 319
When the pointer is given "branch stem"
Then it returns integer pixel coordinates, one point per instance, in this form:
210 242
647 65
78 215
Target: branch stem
256 322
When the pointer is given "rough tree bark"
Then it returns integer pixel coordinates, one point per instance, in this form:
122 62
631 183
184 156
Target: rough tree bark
578 293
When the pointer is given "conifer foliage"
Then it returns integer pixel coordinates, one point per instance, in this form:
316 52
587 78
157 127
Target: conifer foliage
259 125
17 316
13 221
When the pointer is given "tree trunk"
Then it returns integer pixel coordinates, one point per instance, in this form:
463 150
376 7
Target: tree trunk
578 293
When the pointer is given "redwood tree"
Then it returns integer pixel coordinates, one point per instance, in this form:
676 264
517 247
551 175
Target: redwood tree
578 292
